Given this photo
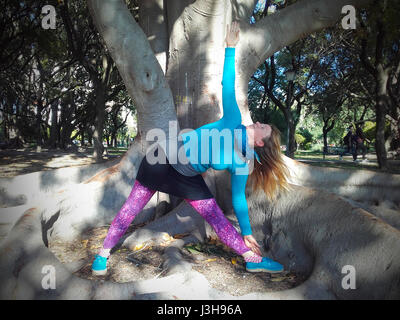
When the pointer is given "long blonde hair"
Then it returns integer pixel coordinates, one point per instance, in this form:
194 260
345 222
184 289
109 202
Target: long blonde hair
271 175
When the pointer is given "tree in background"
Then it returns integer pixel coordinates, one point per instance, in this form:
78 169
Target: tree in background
49 76
380 56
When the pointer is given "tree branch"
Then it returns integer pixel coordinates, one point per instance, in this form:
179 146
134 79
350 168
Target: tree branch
137 65
276 100
286 26
154 22
243 9
273 73
364 59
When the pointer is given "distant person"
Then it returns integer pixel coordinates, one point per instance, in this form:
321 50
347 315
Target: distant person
359 143
348 142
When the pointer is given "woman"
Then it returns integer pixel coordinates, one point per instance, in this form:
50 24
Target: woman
183 179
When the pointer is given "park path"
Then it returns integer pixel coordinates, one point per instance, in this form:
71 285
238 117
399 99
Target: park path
15 162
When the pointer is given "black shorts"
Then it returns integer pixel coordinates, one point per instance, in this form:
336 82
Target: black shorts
164 178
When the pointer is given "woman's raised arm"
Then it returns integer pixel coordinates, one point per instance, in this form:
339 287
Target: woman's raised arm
232 116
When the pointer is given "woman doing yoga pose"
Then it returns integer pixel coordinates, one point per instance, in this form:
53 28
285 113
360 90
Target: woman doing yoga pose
184 179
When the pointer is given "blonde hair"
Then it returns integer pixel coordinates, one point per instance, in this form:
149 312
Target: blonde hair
271 175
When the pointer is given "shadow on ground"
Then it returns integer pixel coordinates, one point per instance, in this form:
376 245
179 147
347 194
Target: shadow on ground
14 162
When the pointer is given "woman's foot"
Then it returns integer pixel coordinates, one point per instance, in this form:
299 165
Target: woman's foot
266 265
99 266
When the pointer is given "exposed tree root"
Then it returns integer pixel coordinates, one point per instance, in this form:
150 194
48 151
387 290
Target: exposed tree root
386 211
24 189
359 185
318 234
181 220
24 273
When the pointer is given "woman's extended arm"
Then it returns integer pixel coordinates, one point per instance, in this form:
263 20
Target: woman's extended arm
232 116
239 203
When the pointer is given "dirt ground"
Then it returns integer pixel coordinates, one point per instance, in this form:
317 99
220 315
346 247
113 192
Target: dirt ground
223 269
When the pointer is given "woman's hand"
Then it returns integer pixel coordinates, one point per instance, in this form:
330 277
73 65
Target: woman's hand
232 34
252 244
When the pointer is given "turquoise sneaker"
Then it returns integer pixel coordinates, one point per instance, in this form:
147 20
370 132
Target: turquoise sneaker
266 265
99 266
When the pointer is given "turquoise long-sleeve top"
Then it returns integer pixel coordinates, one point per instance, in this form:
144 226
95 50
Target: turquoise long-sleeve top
213 145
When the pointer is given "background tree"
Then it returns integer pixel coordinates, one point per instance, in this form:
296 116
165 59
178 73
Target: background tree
380 56
287 82
333 75
84 46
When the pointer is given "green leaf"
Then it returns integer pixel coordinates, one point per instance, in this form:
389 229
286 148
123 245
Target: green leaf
195 249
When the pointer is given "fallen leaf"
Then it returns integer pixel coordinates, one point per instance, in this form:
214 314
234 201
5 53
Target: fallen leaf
138 247
278 279
180 235
211 260
213 240
192 249
234 260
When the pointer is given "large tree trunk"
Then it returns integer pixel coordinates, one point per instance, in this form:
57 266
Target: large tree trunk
325 139
194 69
381 107
66 128
39 107
4 118
291 134
38 123
325 130
394 112
100 107
54 129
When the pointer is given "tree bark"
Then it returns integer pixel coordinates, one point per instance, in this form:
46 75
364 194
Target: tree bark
325 130
381 93
153 21
381 109
66 128
381 70
100 106
291 141
145 80
54 129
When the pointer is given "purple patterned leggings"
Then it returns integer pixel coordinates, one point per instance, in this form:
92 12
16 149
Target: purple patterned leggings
207 208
